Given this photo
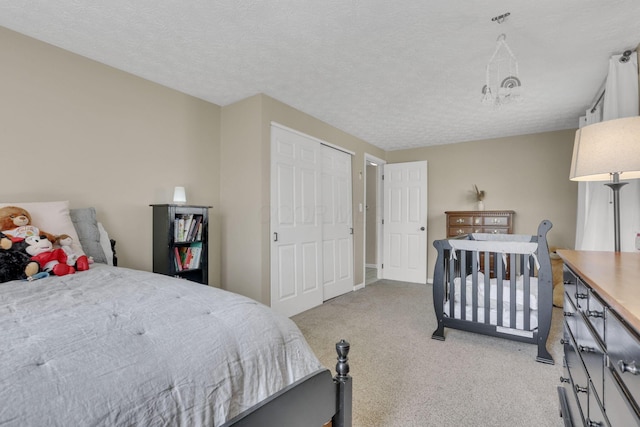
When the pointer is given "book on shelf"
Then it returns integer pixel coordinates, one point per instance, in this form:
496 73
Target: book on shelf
199 232
188 257
193 230
176 259
194 255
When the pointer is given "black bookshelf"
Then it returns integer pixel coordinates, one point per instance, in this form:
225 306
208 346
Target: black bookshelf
180 241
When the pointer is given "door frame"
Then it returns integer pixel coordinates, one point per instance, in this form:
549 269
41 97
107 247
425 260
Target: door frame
378 213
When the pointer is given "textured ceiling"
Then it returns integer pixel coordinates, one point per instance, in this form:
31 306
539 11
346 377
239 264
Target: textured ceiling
399 74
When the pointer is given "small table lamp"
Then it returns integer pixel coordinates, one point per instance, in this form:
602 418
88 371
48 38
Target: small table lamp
179 195
608 150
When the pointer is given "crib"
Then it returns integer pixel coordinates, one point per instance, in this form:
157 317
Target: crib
496 284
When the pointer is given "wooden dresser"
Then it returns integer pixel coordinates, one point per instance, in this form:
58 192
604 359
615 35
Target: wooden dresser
601 339
466 222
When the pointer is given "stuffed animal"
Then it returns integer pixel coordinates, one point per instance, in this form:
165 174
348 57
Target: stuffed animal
15 263
64 241
52 260
16 222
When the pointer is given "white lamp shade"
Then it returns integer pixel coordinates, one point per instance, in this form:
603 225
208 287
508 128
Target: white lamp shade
179 195
605 148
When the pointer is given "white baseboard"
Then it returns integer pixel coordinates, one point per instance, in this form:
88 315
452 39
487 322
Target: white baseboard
358 287
371 265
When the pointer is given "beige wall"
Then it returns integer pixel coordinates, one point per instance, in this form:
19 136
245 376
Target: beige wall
244 270
241 198
528 174
74 129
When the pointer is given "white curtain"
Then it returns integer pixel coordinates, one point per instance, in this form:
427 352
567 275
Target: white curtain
594 226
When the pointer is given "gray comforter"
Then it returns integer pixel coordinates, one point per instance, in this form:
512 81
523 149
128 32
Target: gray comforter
114 346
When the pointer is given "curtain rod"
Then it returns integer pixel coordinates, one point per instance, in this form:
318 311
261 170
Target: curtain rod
593 110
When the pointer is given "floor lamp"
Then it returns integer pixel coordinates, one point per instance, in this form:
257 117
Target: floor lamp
608 151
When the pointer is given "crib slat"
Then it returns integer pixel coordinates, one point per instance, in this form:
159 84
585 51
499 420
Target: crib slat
463 285
512 291
487 287
452 275
500 289
526 273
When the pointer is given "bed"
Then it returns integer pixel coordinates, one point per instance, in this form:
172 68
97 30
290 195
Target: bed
496 284
116 346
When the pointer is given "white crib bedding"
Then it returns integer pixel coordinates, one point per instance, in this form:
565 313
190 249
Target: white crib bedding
493 295
493 316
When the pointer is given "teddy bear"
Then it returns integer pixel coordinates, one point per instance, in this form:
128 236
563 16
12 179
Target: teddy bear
15 222
53 260
15 263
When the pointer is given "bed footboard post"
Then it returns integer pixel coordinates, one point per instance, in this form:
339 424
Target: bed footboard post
344 386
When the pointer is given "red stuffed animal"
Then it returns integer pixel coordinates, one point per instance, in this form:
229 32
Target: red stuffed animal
53 260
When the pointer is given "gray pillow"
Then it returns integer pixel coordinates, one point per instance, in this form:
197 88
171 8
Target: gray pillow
86 225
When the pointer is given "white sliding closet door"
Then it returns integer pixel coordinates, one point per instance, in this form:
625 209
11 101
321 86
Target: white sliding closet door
311 222
296 223
337 223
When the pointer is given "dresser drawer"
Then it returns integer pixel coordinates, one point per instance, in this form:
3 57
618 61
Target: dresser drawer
590 350
455 220
618 408
595 313
596 412
575 410
570 314
459 231
581 296
577 374
496 221
623 347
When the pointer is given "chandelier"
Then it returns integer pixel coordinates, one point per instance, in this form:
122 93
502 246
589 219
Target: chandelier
502 85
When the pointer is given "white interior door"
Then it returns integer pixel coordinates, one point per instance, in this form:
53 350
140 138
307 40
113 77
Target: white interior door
405 222
296 227
337 223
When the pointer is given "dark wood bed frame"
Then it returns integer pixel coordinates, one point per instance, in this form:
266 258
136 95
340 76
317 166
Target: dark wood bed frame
312 401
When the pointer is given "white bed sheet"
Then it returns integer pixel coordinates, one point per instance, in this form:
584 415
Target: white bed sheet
113 346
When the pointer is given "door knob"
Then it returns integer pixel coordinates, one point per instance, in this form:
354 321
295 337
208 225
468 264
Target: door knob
421 228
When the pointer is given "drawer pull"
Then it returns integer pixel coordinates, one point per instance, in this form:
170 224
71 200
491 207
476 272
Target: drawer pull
564 380
628 367
460 231
564 341
581 296
460 221
594 313
580 389
567 314
567 282
591 423
585 349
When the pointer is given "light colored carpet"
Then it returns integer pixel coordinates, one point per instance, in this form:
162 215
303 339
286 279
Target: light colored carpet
402 377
